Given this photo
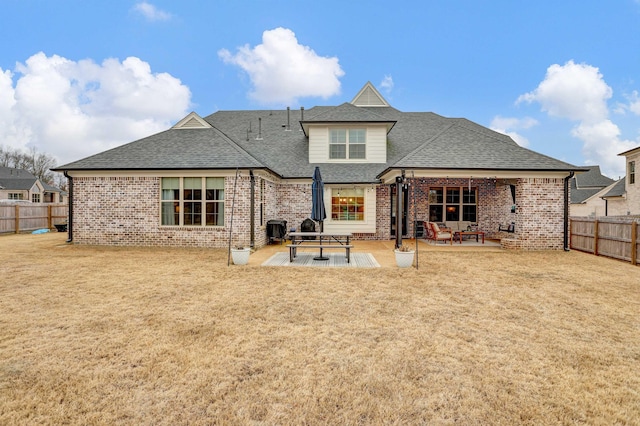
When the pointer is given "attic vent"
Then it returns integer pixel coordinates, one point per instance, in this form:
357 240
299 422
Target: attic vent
369 96
192 123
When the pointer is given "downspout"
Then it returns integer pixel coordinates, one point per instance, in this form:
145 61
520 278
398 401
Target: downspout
566 211
252 214
70 219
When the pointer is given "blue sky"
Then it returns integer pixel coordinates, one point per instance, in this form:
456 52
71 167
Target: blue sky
562 78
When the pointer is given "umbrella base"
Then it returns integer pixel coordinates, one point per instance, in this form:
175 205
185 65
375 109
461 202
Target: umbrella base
320 258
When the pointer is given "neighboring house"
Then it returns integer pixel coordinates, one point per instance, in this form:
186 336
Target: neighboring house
587 190
20 185
623 198
631 186
185 186
615 198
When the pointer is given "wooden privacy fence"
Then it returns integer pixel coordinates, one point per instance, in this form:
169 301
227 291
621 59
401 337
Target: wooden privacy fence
28 217
609 237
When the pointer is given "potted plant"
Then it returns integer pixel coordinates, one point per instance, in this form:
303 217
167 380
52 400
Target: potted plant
404 256
240 254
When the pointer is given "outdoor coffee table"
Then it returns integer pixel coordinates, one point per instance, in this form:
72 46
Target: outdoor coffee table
460 234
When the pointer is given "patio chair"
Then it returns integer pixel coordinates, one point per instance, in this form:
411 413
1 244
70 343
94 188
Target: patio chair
439 235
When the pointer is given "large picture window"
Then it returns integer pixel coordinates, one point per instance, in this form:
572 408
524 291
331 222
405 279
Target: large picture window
192 201
348 144
347 204
453 204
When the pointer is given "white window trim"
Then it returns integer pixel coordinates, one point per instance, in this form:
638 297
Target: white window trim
181 202
366 226
347 158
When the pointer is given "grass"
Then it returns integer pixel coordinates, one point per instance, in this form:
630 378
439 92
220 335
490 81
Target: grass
104 335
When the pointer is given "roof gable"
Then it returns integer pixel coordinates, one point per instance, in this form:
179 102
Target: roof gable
370 97
192 121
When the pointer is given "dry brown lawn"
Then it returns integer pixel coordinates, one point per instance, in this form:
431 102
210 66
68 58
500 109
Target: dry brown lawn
103 335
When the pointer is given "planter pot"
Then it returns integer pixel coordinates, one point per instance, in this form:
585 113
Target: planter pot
404 259
240 256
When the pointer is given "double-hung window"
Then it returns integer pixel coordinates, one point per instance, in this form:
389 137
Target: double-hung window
192 201
347 144
632 172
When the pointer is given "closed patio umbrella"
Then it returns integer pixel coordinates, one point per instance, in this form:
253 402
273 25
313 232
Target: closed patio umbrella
318 212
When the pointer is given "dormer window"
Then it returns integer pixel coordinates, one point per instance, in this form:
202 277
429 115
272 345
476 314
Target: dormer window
347 144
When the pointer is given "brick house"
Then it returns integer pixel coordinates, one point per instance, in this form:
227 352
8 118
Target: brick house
182 187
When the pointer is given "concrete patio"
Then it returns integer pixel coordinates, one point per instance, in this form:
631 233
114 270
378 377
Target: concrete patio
382 252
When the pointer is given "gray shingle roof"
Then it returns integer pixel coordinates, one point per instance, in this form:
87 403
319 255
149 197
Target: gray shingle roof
170 150
260 139
618 190
581 195
16 179
592 178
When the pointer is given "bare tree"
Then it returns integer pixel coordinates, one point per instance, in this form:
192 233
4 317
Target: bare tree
36 163
40 165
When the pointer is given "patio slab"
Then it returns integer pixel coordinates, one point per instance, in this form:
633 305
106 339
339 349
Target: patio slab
382 251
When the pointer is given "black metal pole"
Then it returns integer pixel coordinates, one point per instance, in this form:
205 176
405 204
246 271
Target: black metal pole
398 211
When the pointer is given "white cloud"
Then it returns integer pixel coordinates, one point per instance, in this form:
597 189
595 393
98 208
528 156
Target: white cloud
574 91
579 93
282 70
602 144
151 12
508 125
74 109
634 102
387 83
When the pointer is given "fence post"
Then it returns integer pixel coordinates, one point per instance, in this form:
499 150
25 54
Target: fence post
634 243
17 219
595 237
49 212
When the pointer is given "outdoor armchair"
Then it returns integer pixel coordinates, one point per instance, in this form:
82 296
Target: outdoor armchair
439 235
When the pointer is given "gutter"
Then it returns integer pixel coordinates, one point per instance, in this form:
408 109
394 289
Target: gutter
566 211
70 219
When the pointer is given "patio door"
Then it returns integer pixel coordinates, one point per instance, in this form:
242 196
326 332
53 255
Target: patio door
404 207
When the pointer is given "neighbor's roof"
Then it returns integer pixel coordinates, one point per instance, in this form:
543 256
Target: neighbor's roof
618 190
275 140
631 151
586 185
16 179
593 178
